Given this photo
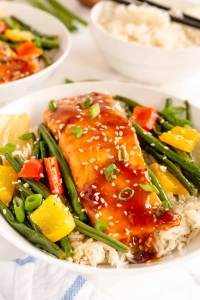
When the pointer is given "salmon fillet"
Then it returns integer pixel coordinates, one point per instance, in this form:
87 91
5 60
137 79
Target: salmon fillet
130 219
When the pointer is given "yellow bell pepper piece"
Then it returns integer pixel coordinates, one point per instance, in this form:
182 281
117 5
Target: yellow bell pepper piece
169 183
7 177
180 137
16 35
53 218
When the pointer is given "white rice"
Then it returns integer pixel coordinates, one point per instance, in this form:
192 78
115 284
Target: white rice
148 26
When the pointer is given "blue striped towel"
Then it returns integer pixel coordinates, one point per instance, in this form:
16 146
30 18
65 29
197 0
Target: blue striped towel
28 278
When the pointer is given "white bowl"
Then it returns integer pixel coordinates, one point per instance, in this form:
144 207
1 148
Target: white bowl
144 64
34 105
44 23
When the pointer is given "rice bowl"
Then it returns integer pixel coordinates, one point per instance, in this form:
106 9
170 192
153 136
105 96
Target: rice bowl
98 252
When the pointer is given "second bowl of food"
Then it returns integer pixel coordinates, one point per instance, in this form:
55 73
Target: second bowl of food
141 42
32 45
82 194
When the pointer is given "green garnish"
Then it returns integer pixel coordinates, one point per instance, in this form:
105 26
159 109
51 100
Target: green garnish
111 172
8 148
52 105
171 114
122 153
85 103
149 188
67 80
1 161
33 201
160 211
126 194
18 206
78 131
101 225
27 137
94 111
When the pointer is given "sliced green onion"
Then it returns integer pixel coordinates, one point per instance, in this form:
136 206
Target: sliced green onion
8 148
52 105
18 206
149 188
122 153
27 137
94 111
33 201
126 194
85 103
78 131
111 172
101 225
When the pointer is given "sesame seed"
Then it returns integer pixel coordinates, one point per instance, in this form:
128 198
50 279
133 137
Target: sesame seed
110 217
97 193
99 207
105 139
117 221
95 202
111 224
94 186
121 133
126 165
114 196
119 205
107 150
113 184
132 152
110 140
125 212
84 163
4 211
100 213
128 181
106 204
96 216
81 150
96 167
115 234
152 144
102 200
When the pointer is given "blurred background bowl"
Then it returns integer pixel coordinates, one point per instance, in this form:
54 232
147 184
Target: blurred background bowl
44 23
149 65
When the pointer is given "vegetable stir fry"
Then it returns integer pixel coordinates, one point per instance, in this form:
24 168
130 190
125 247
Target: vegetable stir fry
46 202
21 49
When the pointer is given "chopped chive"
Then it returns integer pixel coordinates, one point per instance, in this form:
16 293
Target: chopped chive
149 188
122 153
8 148
27 137
111 172
85 103
94 111
101 225
52 105
126 194
78 131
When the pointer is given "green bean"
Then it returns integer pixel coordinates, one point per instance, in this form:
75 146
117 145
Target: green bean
100 236
66 174
168 102
16 166
193 179
47 43
19 159
67 80
9 24
43 150
18 206
150 140
46 58
173 169
187 110
64 19
31 235
162 195
36 149
128 111
66 246
56 5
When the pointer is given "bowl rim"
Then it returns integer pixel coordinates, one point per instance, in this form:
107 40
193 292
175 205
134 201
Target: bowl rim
18 240
55 63
95 23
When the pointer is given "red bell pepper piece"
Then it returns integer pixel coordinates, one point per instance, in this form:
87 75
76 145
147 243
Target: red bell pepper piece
32 169
28 50
2 27
145 117
53 174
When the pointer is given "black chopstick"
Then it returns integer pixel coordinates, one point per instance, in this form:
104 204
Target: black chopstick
186 20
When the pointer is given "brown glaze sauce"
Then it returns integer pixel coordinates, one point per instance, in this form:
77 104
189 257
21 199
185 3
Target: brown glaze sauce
131 221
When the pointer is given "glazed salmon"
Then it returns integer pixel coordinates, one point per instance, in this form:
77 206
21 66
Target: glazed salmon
108 139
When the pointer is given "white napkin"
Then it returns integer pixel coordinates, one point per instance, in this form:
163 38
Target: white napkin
28 278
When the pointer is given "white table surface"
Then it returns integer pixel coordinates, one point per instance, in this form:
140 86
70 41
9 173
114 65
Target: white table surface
84 62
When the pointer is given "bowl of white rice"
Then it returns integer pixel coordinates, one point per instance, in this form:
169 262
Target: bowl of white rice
143 43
